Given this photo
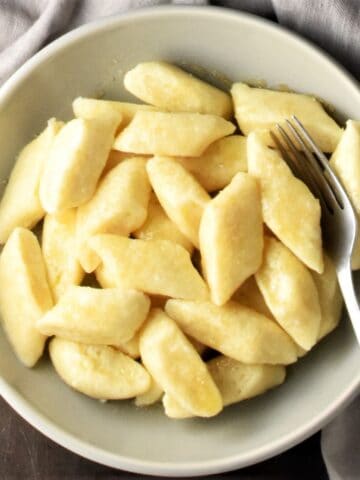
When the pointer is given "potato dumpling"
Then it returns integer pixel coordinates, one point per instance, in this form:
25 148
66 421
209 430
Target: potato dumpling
180 195
109 316
345 162
88 108
131 347
290 293
151 396
158 267
158 226
76 160
177 367
98 371
170 88
115 157
261 109
223 159
163 133
231 237
234 330
236 382
24 294
20 205
173 409
289 208
118 206
330 298
250 296
58 243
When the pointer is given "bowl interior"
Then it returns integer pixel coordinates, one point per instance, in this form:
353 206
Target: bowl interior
91 62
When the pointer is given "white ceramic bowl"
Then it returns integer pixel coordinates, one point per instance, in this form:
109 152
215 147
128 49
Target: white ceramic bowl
91 61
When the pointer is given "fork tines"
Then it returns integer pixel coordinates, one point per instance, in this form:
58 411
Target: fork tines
308 163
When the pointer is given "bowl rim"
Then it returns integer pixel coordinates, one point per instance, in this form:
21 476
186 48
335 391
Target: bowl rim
81 447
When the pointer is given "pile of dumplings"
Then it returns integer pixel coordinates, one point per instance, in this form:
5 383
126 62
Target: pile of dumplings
179 259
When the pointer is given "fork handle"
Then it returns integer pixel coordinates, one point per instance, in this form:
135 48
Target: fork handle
349 295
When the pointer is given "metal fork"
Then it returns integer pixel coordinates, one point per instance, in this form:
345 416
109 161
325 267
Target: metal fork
338 218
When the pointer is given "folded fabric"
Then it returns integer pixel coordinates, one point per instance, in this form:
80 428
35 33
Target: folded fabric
26 26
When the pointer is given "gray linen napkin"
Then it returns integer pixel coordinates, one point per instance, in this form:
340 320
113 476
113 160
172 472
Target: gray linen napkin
27 25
